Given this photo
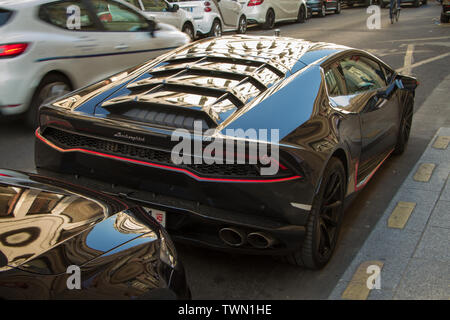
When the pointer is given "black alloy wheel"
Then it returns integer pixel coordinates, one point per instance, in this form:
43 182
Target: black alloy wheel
338 7
323 11
325 220
242 29
301 17
270 20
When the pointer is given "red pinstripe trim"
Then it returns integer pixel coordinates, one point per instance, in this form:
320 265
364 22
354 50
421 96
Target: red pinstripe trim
357 188
160 166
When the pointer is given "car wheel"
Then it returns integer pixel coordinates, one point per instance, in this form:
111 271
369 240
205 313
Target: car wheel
424 2
416 3
323 11
338 7
301 17
270 19
324 220
189 30
444 18
404 130
216 29
242 29
50 88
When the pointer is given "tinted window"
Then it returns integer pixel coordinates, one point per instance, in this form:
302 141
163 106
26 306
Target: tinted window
335 83
5 15
117 17
69 15
155 5
361 74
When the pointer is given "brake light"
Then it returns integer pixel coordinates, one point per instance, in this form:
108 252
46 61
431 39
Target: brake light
12 50
207 6
253 3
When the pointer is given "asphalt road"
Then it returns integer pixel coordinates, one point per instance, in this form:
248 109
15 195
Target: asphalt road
215 275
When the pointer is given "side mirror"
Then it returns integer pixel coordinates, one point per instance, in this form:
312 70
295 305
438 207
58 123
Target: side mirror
151 27
407 82
175 8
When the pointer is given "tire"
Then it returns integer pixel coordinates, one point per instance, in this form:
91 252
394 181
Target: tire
338 7
314 252
323 11
189 30
444 18
416 3
51 87
270 20
424 2
242 28
216 29
405 129
301 17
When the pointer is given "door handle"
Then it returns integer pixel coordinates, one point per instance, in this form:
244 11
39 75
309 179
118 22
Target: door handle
121 47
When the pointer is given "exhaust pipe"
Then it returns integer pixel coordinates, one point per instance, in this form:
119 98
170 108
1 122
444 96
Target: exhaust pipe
261 240
232 237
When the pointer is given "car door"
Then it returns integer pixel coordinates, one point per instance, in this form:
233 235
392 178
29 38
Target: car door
230 11
378 107
126 38
291 8
74 41
161 11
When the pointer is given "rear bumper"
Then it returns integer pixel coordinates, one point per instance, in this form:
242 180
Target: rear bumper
196 210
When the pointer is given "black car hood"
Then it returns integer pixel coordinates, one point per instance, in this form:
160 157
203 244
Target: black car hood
37 221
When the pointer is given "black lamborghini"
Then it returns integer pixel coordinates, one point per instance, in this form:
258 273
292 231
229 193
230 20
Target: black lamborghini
63 241
327 115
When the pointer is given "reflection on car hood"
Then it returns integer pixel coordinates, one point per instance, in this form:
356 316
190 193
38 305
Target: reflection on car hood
36 221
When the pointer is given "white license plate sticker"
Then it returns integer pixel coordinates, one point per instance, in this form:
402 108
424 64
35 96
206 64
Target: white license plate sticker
159 216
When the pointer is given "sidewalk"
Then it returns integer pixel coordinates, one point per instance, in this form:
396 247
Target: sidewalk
411 241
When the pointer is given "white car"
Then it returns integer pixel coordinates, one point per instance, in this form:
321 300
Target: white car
213 17
162 11
269 12
48 47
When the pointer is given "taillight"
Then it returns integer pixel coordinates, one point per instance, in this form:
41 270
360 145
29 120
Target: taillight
253 3
12 50
207 6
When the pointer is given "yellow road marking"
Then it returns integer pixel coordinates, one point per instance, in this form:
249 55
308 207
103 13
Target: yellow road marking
441 142
407 69
357 287
418 64
424 172
399 217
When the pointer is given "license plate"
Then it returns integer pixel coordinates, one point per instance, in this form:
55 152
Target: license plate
159 216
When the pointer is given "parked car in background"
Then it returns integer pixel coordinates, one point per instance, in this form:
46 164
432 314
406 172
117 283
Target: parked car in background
213 17
49 48
365 3
269 12
162 11
415 3
335 113
51 231
445 14
321 7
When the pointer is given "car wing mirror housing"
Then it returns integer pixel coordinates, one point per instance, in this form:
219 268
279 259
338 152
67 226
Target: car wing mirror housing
406 82
151 27
175 8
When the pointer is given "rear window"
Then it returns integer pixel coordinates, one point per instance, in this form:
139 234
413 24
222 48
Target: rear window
5 15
